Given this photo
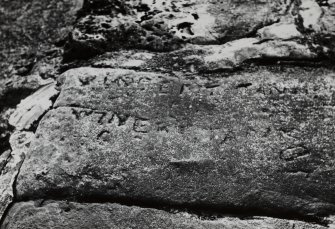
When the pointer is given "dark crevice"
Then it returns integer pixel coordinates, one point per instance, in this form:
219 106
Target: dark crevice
289 61
212 85
182 89
243 85
263 41
6 162
2 219
80 107
202 211
195 16
4 141
322 2
102 133
12 97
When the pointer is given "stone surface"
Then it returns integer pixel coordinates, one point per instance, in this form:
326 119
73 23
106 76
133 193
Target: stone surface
262 140
12 91
20 142
70 215
210 58
169 25
29 29
170 111
310 13
31 34
33 107
283 31
4 159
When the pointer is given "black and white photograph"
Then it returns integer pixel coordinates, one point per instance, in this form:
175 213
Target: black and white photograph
167 114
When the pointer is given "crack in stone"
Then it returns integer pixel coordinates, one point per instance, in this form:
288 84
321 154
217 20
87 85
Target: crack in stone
19 145
4 159
202 212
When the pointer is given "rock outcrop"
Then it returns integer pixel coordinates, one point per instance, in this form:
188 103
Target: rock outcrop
170 25
178 114
54 215
32 34
262 140
10 166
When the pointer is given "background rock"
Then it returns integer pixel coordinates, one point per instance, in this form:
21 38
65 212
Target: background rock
29 29
166 25
169 25
32 34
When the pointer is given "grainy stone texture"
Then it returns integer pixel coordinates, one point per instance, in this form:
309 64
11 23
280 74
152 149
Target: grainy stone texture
210 58
31 33
166 25
69 215
12 91
10 166
29 30
262 140
169 111
169 25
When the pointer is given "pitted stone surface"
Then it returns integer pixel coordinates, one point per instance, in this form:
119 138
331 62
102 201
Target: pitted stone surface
166 25
170 25
70 215
261 140
175 115
210 58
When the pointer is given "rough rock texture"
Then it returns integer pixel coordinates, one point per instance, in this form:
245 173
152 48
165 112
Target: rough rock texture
10 164
210 58
59 215
29 30
12 91
4 159
169 25
262 141
32 33
165 105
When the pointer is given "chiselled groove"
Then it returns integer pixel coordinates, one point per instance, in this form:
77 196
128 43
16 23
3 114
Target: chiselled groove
81 114
102 117
212 85
123 118
243 85
103 134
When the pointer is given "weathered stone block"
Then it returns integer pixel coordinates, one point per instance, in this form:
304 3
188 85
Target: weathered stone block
262 140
